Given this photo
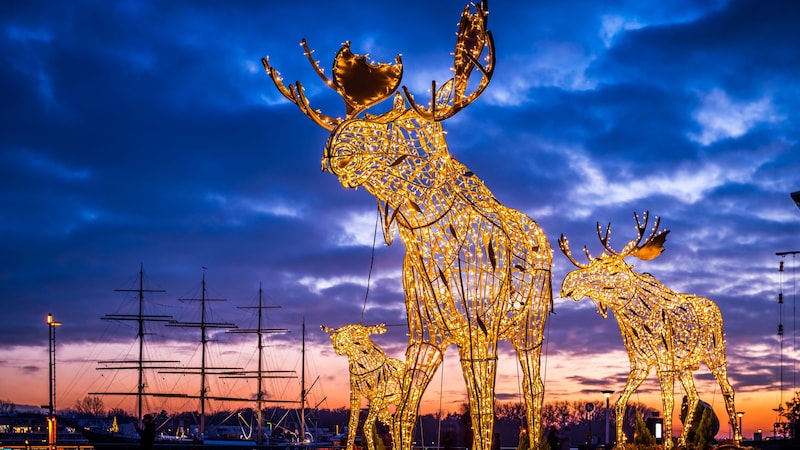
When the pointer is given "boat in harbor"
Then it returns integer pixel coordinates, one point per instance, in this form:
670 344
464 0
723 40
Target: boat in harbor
249 432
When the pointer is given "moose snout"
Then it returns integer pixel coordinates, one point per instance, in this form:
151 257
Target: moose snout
568 287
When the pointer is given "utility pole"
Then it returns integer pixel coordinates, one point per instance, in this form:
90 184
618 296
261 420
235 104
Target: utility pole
51 418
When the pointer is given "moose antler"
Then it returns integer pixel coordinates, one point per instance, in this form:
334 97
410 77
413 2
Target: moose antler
652 247
563 243
359 83
473 38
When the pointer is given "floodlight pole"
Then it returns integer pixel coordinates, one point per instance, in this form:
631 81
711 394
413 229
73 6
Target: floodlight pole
739 414
607 395
51 406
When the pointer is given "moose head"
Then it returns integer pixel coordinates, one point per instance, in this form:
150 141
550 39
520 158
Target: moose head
608 277
353 339
369 150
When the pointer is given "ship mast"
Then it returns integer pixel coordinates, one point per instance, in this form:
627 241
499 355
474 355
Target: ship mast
203 370
260 331
303 387
140 365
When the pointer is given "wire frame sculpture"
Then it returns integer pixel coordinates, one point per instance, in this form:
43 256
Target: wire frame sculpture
373 376
662 330
475 271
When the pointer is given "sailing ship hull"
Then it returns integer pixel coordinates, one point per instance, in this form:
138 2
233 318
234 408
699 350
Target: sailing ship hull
116 441
103 440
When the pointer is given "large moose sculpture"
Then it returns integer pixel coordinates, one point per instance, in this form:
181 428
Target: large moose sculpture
475 271
661 329
373 376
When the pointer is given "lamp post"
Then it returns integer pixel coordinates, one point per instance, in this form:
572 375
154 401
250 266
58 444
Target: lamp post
51 418
607 395
739 414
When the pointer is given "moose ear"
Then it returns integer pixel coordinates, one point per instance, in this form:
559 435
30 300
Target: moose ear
387 214
399 103
377 329
444 94
652 248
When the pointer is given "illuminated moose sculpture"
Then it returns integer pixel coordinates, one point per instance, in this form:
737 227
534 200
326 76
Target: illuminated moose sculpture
373 376
661 329
475 271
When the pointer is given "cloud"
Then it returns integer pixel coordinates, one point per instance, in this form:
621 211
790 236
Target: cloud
613 24
148 134
720 117
686 184
29 370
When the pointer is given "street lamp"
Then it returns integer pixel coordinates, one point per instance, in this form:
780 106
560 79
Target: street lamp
607 395
51 418
739 414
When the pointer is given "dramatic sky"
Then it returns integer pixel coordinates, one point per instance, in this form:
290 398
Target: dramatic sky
143 133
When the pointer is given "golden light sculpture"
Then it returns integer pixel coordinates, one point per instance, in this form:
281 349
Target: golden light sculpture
373 376
661 329
475 271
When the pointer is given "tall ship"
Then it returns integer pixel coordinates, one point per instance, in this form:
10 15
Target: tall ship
250 431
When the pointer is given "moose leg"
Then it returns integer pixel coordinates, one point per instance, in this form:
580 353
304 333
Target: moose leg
422 360
721 374
635 379
480 369
692 399
715 360
369 427
352 424
527 342
665 380
534 391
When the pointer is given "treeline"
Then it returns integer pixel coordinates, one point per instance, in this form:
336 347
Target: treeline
574 419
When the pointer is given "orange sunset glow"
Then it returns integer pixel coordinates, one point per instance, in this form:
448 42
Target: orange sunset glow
413 168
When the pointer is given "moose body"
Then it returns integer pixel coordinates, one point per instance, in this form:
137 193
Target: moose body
663 330
373 376
475 271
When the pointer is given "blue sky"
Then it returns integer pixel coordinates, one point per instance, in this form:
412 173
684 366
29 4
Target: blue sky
140 132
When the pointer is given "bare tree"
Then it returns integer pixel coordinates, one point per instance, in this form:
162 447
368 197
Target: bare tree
7 407
92 405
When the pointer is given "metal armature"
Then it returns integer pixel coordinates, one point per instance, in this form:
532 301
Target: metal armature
373 377
475 271
661 329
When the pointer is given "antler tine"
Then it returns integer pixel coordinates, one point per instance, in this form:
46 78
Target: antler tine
300 99
604 239
315 64
586 252
641 227
278 80
654 245
294 93
655 229
473 39
563 243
